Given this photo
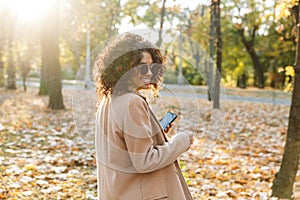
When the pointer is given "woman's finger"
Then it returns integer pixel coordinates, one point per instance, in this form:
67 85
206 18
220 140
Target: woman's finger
168 128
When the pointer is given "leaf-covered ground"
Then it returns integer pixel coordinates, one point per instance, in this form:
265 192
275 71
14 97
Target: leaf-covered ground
43 157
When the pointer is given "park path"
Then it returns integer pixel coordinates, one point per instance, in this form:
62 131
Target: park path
255 95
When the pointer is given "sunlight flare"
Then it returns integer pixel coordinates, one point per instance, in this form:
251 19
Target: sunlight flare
28 11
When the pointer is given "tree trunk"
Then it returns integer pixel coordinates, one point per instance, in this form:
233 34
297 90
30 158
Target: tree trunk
25 69
11 69
219 54
162 17
24 84
44 83
241 81
11 65
211 53
285 178
2 81
259 72
50 56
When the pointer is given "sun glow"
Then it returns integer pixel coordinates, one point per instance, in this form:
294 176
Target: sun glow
28 11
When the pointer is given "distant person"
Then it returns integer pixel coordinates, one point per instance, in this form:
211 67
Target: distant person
135 161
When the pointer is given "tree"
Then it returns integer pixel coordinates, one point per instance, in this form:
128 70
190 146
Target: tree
1 68
150 17
281 45
249 44
44 82
2 38
11 65
211 50
216 6
251 18
161 26
131 8
101 18
285 178
45 59
50 55
236 64
24 59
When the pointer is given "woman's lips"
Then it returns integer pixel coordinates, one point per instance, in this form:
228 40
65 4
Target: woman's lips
146 80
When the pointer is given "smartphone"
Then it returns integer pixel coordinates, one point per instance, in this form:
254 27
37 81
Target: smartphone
167 119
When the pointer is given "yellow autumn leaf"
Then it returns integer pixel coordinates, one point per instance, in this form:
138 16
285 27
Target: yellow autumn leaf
30 167
29 124
289 71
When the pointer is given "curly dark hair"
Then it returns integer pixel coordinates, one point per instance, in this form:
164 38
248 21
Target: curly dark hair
121 54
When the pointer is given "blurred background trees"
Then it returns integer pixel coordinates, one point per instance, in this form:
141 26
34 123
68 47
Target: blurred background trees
258 37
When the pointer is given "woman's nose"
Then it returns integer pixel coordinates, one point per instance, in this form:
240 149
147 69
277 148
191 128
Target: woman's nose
149 72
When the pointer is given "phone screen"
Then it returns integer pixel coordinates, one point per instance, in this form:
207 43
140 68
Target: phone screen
167 119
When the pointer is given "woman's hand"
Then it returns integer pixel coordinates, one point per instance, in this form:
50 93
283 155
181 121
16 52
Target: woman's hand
166 130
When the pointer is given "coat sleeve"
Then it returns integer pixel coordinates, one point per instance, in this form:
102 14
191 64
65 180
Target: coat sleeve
138 136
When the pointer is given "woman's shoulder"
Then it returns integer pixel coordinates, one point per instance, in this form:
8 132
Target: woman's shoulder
131 97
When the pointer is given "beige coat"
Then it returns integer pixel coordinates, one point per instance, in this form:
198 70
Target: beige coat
134 159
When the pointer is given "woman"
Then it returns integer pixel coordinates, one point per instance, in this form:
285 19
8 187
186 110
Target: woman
135 161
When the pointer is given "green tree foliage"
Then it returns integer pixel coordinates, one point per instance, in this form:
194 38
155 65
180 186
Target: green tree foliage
250 18
236 62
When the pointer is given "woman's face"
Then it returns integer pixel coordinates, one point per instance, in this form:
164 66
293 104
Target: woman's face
141 80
